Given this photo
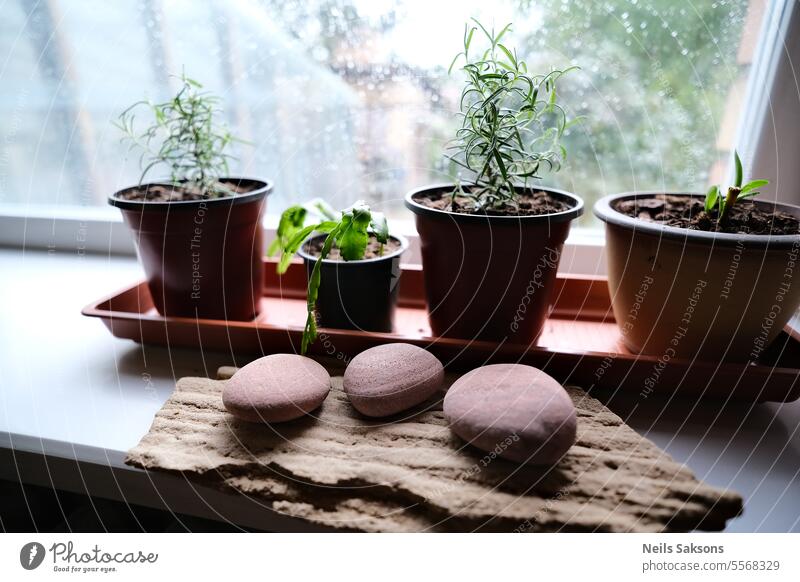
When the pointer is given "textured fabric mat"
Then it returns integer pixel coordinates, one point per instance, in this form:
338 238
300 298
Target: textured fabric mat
345 471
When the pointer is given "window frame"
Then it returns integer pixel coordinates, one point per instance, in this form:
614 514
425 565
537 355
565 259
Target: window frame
771 107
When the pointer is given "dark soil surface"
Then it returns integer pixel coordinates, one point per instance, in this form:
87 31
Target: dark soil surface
169 193
314 247
689 212
528 204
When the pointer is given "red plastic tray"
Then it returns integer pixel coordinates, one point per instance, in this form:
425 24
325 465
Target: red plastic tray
580 343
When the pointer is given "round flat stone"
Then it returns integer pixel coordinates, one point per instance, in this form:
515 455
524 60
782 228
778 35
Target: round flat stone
388 379
276 388
513 411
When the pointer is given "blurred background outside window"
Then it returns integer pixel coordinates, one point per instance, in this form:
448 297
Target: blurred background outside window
351 99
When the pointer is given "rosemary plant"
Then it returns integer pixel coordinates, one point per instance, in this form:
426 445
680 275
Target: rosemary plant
349 231
183 137
511 124
723 204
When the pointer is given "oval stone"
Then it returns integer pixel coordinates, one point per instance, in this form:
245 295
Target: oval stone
513 411
388 379
276 388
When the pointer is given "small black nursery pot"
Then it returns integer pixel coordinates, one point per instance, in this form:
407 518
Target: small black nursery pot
358 295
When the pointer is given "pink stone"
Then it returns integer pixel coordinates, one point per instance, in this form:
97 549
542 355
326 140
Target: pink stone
517 412
276 388
388 379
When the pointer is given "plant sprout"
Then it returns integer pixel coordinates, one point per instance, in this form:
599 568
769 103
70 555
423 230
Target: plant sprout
735 192
511 125
183 137
349 231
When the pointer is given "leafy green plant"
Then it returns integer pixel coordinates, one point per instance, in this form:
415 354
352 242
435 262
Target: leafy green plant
511 124
723 204
183 137
349 231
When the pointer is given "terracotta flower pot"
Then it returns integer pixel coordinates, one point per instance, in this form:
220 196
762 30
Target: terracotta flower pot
358 295
680 293
490 277
202 258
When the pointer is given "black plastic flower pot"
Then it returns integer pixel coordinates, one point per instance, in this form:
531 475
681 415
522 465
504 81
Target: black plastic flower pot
360 295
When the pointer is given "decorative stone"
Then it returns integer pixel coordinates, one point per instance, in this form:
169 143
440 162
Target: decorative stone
513 411
276 388
388 379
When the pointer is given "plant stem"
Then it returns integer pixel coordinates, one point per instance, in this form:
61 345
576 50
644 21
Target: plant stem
730 200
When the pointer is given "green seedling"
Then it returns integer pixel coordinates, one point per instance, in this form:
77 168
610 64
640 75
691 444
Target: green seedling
511 124
723 204
183 137
348 230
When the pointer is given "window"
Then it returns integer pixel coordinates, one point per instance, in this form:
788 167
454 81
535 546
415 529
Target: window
351 99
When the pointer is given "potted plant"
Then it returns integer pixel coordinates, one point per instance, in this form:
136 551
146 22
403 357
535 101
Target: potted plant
491 244
711 277
352 263
198 232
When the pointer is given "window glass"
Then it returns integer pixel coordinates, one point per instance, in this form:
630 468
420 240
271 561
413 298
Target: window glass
351 99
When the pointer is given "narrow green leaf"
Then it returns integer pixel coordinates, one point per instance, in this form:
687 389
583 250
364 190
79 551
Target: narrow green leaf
293 245
468 39
711 197
752 186
453 64
489 36
749 194
310 330
301 235
499 158
739 173
511 58
500 35
492 76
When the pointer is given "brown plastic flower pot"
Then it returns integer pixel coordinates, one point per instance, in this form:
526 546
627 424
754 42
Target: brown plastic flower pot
358 295
202 258
490 277
681 293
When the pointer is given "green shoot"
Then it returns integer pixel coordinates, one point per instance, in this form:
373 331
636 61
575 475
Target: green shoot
291 222
723 204
183 138
349 231
511 124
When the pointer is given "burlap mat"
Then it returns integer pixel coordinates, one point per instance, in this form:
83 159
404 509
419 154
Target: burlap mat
345 471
